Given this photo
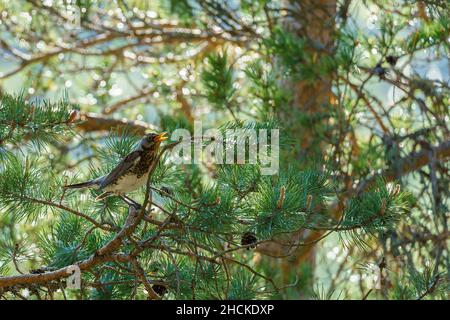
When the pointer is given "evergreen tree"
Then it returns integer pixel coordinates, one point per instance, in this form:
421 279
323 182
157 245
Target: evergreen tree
359 206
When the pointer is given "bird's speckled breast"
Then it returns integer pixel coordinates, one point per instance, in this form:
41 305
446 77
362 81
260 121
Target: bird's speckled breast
142 167
135 177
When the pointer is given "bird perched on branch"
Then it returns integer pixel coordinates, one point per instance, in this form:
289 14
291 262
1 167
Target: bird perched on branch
131 173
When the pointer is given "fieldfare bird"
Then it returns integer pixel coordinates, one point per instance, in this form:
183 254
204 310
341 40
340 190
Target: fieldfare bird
131 173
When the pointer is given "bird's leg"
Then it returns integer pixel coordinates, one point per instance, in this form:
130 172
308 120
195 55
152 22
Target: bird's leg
129 201
103 195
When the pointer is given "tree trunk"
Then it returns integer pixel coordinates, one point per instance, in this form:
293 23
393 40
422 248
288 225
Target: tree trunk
315 21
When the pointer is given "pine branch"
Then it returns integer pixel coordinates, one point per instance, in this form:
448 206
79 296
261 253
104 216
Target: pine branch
90 122
409 164
22 120
101 255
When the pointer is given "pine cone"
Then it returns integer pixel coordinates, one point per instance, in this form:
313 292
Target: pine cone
159 289
380 71
392 60
249 238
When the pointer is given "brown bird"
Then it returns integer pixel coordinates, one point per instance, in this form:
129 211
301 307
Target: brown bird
131 173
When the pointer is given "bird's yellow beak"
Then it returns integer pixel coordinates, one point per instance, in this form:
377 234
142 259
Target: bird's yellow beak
161 137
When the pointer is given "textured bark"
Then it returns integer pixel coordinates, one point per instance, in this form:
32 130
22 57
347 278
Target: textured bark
89 122
315 20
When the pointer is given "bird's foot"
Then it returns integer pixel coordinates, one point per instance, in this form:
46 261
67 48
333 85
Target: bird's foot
130 202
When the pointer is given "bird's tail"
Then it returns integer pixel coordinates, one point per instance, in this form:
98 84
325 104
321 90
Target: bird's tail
87 184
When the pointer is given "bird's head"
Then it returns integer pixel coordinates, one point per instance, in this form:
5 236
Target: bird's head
152 140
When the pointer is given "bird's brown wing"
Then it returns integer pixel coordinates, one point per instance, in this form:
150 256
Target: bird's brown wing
127 162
